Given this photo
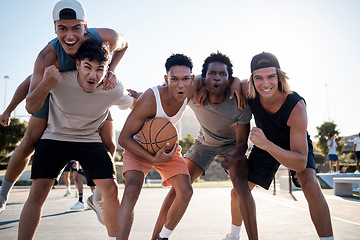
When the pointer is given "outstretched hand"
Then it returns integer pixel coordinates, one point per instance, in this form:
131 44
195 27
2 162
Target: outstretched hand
5 119
133 93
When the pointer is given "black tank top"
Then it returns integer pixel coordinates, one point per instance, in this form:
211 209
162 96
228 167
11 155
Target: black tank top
275 125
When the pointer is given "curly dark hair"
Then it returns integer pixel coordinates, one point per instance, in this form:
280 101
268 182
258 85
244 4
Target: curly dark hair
178 60
94 50
217 57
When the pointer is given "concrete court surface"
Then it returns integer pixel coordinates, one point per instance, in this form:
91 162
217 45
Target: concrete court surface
207 217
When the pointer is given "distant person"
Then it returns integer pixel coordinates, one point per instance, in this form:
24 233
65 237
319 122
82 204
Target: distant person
67 173
333 155
79 175
357 153
78 106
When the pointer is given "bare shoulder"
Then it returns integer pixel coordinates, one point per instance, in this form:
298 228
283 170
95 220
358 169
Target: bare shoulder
114 38
47 56
298 116
146 104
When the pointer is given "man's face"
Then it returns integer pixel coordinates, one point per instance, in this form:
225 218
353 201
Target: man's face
71 34
216 78
266 81
179 79
91 73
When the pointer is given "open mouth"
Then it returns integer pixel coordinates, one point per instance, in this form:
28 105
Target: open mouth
181 93
70 43
90 82
216 86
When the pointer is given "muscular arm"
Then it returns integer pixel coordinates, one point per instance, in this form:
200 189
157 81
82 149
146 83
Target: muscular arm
19 96
39 89
296 157
144 108
242 134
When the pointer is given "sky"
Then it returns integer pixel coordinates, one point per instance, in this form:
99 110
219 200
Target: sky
317 43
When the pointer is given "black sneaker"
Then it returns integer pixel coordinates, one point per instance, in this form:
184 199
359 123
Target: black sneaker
159 238
294 179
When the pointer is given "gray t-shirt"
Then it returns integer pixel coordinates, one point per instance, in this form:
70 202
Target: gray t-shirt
218 121
75 115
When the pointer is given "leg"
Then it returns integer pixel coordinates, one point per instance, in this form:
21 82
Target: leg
183 193
331 166
195 172
319 210
245 208
31 213
109 190
79 183
133 184
357 164
20 158
67 182
337 166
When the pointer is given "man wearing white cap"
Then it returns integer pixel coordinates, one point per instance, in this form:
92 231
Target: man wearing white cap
71 28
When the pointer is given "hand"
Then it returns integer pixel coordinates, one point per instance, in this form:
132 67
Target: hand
161 156
5 119
52 77
235 88
200 95
110 81
258 138
133 93
228 161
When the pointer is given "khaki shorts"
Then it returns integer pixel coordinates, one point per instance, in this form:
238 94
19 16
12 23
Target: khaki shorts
171 168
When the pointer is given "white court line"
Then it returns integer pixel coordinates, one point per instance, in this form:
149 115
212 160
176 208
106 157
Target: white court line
301 209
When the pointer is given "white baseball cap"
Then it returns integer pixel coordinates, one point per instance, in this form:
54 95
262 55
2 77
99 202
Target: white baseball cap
69 9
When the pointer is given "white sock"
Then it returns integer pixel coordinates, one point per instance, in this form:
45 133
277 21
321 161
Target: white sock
327 238
235 231
6 188
165 233
112 238
68 188
76 190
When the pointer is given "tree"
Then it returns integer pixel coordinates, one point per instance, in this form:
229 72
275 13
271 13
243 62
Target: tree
186 143
324 131
10 136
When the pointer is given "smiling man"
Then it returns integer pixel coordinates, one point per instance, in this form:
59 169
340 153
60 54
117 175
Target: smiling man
78 106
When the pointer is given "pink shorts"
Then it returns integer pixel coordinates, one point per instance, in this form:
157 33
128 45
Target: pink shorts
171 168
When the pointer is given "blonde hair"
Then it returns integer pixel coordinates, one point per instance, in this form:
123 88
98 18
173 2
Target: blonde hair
282 79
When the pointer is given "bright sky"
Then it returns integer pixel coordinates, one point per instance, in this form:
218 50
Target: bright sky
316 42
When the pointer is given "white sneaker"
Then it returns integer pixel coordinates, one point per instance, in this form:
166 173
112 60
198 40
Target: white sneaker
77 206
357 172
97 207
2 204
338 172
332 172
229 236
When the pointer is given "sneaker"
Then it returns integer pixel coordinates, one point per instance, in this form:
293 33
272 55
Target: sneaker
97 207
294 179
332 172
229 236
76 193
159 238
337 172
77 206
67 193
2 204
357 172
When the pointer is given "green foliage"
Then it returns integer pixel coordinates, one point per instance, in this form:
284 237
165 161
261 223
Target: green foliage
324 131
319 159
186 143
10 136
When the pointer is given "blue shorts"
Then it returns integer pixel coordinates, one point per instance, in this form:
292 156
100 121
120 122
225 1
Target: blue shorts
51 157
333 157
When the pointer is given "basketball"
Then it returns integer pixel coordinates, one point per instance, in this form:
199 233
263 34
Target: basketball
156 133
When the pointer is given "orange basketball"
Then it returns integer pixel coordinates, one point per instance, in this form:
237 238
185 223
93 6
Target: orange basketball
156 133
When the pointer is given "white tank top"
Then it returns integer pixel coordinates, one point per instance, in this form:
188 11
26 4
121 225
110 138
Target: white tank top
160 111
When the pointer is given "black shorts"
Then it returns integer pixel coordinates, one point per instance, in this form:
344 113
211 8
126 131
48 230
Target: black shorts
51 156
262 167
357 155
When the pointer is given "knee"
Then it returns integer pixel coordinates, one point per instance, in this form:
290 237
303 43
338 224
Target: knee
185 193
233 195
132 190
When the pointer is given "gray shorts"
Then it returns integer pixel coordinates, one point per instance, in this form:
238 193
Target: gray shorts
43 113
204 155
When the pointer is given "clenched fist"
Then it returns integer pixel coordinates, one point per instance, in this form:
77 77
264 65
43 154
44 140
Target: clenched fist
52 77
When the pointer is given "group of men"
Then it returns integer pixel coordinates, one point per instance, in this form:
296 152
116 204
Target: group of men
70 92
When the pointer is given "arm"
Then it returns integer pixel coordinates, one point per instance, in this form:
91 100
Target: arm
144 108
19 96
118 45
39 89
242 134
296 157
